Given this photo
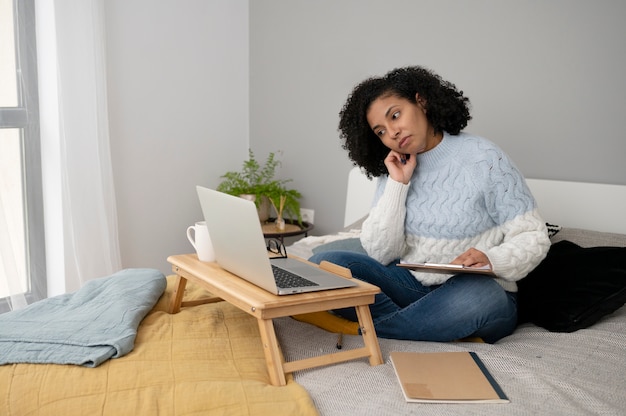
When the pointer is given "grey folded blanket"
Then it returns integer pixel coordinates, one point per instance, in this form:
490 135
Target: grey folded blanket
97 322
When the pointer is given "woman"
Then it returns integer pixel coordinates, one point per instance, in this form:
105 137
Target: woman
444 196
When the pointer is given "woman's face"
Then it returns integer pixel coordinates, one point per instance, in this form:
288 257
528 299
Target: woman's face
402 125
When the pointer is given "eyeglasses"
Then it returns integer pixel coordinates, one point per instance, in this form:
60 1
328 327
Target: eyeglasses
276 249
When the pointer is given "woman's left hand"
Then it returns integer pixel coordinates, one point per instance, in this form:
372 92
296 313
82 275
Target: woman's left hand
472 258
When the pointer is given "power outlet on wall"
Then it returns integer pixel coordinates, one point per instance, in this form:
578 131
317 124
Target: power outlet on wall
308 215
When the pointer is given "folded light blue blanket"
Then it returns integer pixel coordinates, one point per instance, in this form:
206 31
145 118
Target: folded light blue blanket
87 327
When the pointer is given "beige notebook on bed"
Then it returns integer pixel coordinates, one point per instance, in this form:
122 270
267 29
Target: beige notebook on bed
445 377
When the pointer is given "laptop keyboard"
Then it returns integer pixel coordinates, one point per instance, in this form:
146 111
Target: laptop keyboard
286 279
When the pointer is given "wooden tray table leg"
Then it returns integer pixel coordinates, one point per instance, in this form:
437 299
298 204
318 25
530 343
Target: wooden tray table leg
273 357
369 334
177 296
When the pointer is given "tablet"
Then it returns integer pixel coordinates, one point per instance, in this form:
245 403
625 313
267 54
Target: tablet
446 268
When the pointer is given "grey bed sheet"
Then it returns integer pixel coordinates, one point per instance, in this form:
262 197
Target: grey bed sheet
542 373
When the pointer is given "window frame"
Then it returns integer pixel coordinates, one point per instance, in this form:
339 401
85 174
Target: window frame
26 118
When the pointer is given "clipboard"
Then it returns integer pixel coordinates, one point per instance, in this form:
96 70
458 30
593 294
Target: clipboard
446 268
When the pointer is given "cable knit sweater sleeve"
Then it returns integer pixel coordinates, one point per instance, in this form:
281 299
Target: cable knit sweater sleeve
524 238
526 243
382 234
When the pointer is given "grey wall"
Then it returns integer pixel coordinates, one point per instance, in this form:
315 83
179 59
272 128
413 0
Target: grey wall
178 108
546 81
193 83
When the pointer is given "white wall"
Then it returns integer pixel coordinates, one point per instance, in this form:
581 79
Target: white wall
546 80
178 103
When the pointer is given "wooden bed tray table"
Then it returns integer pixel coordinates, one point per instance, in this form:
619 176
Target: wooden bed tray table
265 306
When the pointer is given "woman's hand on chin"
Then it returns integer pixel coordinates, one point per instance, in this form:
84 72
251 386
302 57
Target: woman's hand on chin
400 166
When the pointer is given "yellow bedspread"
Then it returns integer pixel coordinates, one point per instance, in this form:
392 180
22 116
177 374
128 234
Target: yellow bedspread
205 360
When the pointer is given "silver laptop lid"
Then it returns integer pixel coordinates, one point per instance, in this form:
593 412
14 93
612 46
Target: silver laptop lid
237 237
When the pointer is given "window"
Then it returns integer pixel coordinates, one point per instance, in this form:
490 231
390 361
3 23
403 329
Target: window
22 246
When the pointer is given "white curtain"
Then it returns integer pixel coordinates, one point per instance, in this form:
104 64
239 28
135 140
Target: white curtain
11 283
79 199
15 22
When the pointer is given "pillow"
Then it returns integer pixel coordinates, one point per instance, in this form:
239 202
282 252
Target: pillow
573 287
347 244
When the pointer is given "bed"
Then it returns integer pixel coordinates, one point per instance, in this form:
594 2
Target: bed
541 371
208 359
205 360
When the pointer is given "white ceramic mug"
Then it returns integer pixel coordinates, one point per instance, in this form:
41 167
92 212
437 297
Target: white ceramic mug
199 238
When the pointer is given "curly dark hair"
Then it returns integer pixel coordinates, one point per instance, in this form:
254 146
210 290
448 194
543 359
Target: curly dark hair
446 110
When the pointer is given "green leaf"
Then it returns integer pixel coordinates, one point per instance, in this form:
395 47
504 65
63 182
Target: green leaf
259 180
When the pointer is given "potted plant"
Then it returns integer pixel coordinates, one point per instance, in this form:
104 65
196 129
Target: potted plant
258 183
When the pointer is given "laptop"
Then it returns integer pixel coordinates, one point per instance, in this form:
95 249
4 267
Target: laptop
239 246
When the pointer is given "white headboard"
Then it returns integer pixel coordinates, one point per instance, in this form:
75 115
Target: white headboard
591 206
359 196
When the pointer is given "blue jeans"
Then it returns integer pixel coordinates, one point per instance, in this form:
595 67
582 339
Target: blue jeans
466 305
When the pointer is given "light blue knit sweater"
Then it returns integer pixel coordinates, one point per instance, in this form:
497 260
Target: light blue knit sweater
464 193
